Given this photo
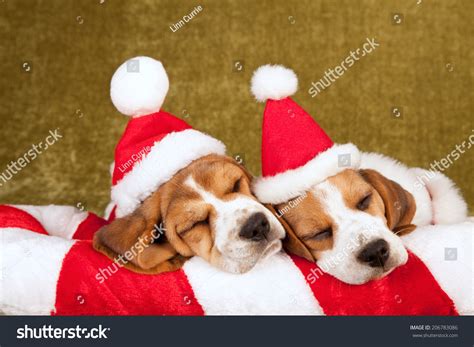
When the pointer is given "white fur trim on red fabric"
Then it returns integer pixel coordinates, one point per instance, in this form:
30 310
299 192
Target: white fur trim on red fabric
274 286
448 205
273 82
173 153
58 220
139 86
31 264
292 183
447 251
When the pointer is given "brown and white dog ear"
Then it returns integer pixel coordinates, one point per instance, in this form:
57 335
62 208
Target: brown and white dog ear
134 242
291 242
400 206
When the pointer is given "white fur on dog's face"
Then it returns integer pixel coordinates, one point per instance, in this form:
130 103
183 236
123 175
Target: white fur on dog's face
335 221
353 230
232 252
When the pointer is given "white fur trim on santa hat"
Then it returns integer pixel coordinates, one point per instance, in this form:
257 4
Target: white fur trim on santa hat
292 183
173 153
139 86
448 205
273 82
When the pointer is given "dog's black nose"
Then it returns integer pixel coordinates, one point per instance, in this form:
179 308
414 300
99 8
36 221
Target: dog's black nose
375 254
256 227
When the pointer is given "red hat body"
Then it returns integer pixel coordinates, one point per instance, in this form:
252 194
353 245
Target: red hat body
140 136
291 137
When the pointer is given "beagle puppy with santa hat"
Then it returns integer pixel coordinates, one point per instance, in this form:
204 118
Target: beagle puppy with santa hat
175 193
335 201
166 173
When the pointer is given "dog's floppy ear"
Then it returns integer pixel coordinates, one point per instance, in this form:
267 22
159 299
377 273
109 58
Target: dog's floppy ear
400 206
135 242
291 242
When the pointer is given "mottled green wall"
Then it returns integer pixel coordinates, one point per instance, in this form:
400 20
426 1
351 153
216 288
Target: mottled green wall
423 65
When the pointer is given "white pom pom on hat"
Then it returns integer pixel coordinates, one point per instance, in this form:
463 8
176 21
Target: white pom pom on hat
139 86
274 82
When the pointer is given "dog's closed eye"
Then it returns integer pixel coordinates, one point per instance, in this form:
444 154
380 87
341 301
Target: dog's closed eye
185 230
320 235
236 187
364 203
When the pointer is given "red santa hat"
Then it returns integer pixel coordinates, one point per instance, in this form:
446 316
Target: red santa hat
155 144
296 152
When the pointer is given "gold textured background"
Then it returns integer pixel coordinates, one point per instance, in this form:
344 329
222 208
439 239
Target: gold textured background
73 48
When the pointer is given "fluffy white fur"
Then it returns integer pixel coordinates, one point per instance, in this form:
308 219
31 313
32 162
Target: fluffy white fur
173 153
273 82
447 203
437 202
142 92
31 264
61 221
273 287
292 183
454 276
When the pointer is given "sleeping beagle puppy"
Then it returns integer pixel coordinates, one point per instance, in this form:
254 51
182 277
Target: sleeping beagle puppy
350 225
206 209
340 207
